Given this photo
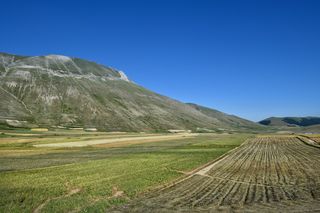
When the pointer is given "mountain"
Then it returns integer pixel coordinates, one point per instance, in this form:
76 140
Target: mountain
291 121
225 120
56 90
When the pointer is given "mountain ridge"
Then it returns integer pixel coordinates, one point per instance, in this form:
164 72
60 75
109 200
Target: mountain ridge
291 121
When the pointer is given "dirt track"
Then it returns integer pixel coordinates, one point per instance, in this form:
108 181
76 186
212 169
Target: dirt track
266 174
117 140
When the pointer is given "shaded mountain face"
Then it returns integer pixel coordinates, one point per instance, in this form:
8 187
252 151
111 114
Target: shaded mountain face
291 121
57 90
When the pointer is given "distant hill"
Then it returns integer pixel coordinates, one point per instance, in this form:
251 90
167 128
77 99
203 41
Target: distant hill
62 91
291 121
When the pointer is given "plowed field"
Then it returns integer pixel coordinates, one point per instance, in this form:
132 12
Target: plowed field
277 174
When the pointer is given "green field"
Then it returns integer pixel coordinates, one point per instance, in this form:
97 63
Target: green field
92 178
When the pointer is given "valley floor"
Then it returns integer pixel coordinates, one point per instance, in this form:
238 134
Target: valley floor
97 177
264 174
139 172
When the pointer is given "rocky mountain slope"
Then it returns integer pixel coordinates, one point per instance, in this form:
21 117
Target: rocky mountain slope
57 90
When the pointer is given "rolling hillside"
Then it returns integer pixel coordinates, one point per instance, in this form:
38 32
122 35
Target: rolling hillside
56 90
291 121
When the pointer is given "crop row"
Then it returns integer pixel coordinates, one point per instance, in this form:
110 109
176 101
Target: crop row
274 171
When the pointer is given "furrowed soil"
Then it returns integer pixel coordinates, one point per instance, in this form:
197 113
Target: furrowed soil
315 139
264 174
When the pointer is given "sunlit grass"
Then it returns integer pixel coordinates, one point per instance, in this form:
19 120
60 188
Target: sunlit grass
50 177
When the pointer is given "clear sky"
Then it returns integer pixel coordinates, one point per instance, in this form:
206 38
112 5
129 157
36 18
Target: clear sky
254 59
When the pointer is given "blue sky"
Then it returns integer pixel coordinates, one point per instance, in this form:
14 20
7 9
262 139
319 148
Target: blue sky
254 59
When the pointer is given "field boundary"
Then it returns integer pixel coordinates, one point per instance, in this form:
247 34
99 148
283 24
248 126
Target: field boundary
114 140
193 172
313 144
268 174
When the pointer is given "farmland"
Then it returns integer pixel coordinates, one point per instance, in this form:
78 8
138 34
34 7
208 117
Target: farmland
77 171
267 173
95 178
315 138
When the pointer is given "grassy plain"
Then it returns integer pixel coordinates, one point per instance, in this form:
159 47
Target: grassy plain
95 178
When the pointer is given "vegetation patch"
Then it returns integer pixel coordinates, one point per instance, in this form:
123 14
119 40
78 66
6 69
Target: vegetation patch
97 178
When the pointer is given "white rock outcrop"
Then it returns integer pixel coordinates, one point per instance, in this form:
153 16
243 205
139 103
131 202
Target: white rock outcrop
123 76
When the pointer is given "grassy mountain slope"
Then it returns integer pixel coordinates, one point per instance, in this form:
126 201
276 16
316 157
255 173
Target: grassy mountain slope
59 90
227 121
